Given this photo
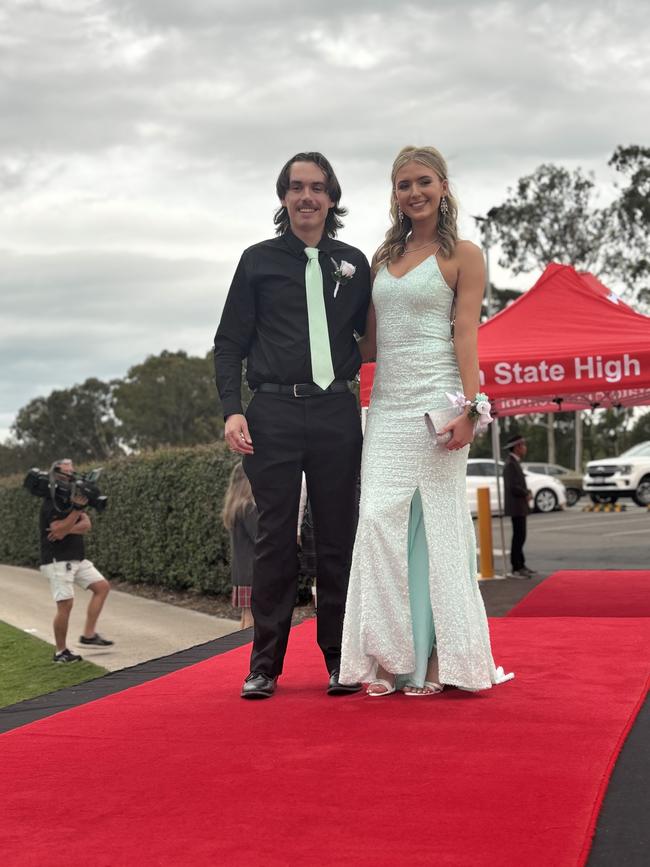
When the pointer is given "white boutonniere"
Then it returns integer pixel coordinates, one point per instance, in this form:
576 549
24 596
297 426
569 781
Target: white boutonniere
342 273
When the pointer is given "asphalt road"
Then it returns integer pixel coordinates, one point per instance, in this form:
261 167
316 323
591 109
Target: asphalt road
574 539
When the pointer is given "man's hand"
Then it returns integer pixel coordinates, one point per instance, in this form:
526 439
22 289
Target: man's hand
78 523
82 524
57 531
237 435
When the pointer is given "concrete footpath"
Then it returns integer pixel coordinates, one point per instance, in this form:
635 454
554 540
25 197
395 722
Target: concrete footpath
142 629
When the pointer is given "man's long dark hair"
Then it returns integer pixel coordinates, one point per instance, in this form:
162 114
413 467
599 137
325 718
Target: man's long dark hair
333 222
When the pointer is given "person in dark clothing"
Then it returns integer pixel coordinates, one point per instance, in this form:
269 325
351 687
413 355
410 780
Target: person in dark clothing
292 311
517 497
306 548
63 562
240 519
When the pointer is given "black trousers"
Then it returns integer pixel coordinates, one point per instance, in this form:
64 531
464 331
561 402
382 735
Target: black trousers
321 436
517 544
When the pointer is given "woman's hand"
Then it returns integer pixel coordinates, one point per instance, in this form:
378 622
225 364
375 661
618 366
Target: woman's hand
462 432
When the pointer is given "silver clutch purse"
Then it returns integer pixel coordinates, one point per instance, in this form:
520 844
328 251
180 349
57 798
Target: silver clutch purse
437 419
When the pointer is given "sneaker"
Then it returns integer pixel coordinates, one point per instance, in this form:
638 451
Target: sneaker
95 641
519 573
530 572
66 655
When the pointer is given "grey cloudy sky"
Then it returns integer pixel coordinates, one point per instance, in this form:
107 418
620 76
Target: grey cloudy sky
140 141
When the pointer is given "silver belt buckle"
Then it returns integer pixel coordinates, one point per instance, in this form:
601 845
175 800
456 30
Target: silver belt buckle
295 393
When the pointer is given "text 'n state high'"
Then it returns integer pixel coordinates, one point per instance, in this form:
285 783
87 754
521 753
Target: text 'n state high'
584 367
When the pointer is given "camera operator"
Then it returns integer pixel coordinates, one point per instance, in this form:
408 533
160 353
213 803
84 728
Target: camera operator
63 524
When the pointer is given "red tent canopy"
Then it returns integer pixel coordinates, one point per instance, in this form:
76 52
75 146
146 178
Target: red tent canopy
568 343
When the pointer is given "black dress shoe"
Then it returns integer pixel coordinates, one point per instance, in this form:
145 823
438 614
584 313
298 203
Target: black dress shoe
258 685
336 688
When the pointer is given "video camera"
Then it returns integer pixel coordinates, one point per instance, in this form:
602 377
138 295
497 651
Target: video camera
62 487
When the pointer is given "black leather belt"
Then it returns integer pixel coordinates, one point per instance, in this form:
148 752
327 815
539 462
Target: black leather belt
302 389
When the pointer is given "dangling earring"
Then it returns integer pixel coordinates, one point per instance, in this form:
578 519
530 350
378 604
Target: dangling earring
444 207
400 215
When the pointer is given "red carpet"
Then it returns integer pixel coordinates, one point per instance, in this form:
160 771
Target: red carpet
180 771
588 594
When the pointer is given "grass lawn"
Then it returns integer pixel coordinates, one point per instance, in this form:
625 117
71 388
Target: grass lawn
27 670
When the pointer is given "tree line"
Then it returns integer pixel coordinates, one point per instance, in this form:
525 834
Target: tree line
605 433
167 400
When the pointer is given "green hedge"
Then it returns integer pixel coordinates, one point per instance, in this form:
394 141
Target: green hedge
18 523
162 525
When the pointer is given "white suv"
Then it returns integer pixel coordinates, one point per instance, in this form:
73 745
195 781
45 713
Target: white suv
625 476
548 493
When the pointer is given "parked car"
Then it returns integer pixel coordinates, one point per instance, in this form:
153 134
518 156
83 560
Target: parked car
548 493
625 476
571 479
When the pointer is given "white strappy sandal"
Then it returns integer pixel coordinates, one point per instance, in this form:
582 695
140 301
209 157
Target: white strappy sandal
379 681
429 687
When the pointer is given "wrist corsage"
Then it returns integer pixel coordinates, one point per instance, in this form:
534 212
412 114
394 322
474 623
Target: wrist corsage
478 409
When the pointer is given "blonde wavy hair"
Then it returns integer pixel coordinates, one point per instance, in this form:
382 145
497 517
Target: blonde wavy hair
396 237
238 497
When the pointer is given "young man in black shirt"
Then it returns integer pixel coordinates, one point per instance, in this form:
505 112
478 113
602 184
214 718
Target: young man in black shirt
292 311
63 562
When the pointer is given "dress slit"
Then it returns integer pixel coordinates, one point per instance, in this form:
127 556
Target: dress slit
424 636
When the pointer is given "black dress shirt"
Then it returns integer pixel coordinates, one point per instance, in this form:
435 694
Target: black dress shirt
71 547
265 320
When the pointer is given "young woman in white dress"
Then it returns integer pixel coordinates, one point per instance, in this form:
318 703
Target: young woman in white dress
415 619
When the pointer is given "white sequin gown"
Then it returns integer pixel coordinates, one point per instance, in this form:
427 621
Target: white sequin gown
416 365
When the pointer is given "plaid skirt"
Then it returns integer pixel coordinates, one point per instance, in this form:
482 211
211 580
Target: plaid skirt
241 596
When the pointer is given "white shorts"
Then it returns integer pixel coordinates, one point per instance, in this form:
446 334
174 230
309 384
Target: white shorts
65 574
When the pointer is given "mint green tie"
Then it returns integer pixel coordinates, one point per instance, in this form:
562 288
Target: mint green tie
319 338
